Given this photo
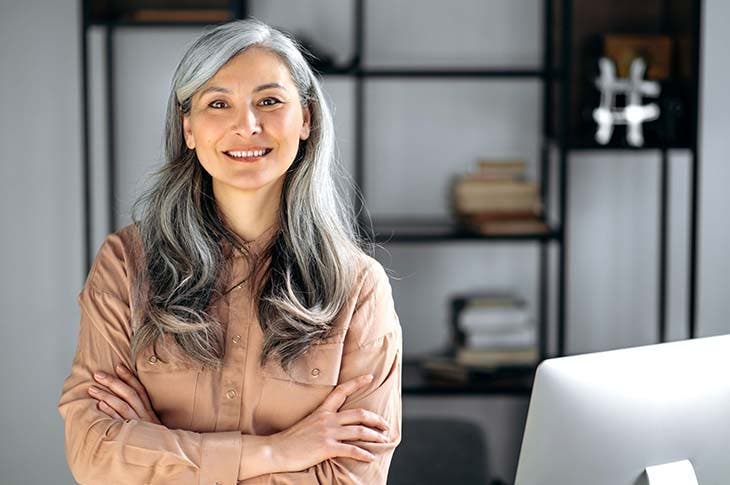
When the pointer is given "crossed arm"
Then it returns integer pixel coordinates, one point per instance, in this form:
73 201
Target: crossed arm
105 448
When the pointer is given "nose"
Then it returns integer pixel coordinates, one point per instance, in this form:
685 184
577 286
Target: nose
247 122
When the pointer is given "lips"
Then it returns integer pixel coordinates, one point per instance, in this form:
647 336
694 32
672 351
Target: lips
247 155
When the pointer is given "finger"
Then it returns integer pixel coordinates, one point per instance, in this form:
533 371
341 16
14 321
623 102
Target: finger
339 394
123 391
353 451
105 408
127 376
362 416
121 407
360 433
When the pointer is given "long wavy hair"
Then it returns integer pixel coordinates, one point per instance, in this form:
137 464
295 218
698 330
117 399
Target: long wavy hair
312 256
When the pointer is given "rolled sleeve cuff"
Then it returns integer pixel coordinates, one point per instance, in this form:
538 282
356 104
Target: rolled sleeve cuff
220 458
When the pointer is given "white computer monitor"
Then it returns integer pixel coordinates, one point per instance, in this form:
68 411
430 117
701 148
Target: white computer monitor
603 418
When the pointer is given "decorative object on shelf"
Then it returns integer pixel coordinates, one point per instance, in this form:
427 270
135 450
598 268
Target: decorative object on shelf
634 113
655 50
497 198
176 15
632 66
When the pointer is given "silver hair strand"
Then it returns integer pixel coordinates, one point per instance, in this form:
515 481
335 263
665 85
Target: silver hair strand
313 256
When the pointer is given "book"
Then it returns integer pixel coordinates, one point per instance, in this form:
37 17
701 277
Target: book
489 299
524 337
534 226
444 369
497 204
495 176
495 319
480 217
517 167
180 15
495 358
512 188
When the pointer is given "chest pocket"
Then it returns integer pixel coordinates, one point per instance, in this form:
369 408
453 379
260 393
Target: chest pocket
287 398
320 365
171 381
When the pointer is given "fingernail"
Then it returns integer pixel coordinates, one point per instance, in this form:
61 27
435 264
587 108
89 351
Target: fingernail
93 390
369 377
121 369
100 375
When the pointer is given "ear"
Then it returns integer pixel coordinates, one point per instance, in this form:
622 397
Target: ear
188 131
306 126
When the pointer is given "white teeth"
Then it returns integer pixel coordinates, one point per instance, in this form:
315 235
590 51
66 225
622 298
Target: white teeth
255 153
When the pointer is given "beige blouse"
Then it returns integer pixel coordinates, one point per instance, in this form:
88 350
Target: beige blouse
207 414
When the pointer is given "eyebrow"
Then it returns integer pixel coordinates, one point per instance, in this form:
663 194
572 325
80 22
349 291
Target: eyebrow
219 89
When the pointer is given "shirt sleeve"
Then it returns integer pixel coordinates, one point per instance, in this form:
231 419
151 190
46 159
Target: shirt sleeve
373 345
104 450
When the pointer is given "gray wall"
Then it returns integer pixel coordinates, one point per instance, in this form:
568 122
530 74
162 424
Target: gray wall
41 257
433 128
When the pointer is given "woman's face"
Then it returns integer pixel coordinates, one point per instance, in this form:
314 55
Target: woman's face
250 104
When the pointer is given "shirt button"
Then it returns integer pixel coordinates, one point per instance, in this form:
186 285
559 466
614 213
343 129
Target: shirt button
236 339
315 372
231 394
152 359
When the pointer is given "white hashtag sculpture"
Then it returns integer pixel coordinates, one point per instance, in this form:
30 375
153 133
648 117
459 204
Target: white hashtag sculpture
634 114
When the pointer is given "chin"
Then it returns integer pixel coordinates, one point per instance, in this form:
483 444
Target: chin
252 182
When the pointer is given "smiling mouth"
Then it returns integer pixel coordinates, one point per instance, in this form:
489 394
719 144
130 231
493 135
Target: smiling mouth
250 156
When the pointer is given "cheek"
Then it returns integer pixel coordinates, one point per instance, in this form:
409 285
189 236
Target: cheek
289 125
208 129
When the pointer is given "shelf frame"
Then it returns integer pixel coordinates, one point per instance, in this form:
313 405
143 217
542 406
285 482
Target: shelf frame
548 73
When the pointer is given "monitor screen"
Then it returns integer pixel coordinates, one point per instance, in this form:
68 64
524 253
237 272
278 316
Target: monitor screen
603 418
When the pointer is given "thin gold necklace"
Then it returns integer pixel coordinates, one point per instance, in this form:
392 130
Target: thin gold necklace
237 285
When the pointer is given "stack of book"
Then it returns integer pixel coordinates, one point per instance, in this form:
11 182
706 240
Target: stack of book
494 330
493 339
496 198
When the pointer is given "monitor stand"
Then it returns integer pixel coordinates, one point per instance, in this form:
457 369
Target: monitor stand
675 473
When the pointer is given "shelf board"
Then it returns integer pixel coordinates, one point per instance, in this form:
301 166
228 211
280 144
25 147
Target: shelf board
434 72
415 230
448 72
616 144
415 382
585 146
137 24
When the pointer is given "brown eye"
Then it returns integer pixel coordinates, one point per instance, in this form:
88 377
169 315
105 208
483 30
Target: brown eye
272 103
217 104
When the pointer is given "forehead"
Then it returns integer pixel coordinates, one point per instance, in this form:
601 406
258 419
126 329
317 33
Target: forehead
252 68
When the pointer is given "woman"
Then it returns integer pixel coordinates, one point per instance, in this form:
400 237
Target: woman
237 332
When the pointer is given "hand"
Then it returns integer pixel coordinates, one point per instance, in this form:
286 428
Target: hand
319 436
124 397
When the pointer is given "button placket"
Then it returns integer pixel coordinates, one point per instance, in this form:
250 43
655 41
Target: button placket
232 373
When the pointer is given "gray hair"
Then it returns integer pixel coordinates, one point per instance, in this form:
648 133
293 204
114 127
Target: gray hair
313 256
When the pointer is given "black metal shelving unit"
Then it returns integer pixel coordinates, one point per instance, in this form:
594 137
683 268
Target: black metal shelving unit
428 231
680 20
555 76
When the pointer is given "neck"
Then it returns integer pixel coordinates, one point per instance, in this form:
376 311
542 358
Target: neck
249 212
